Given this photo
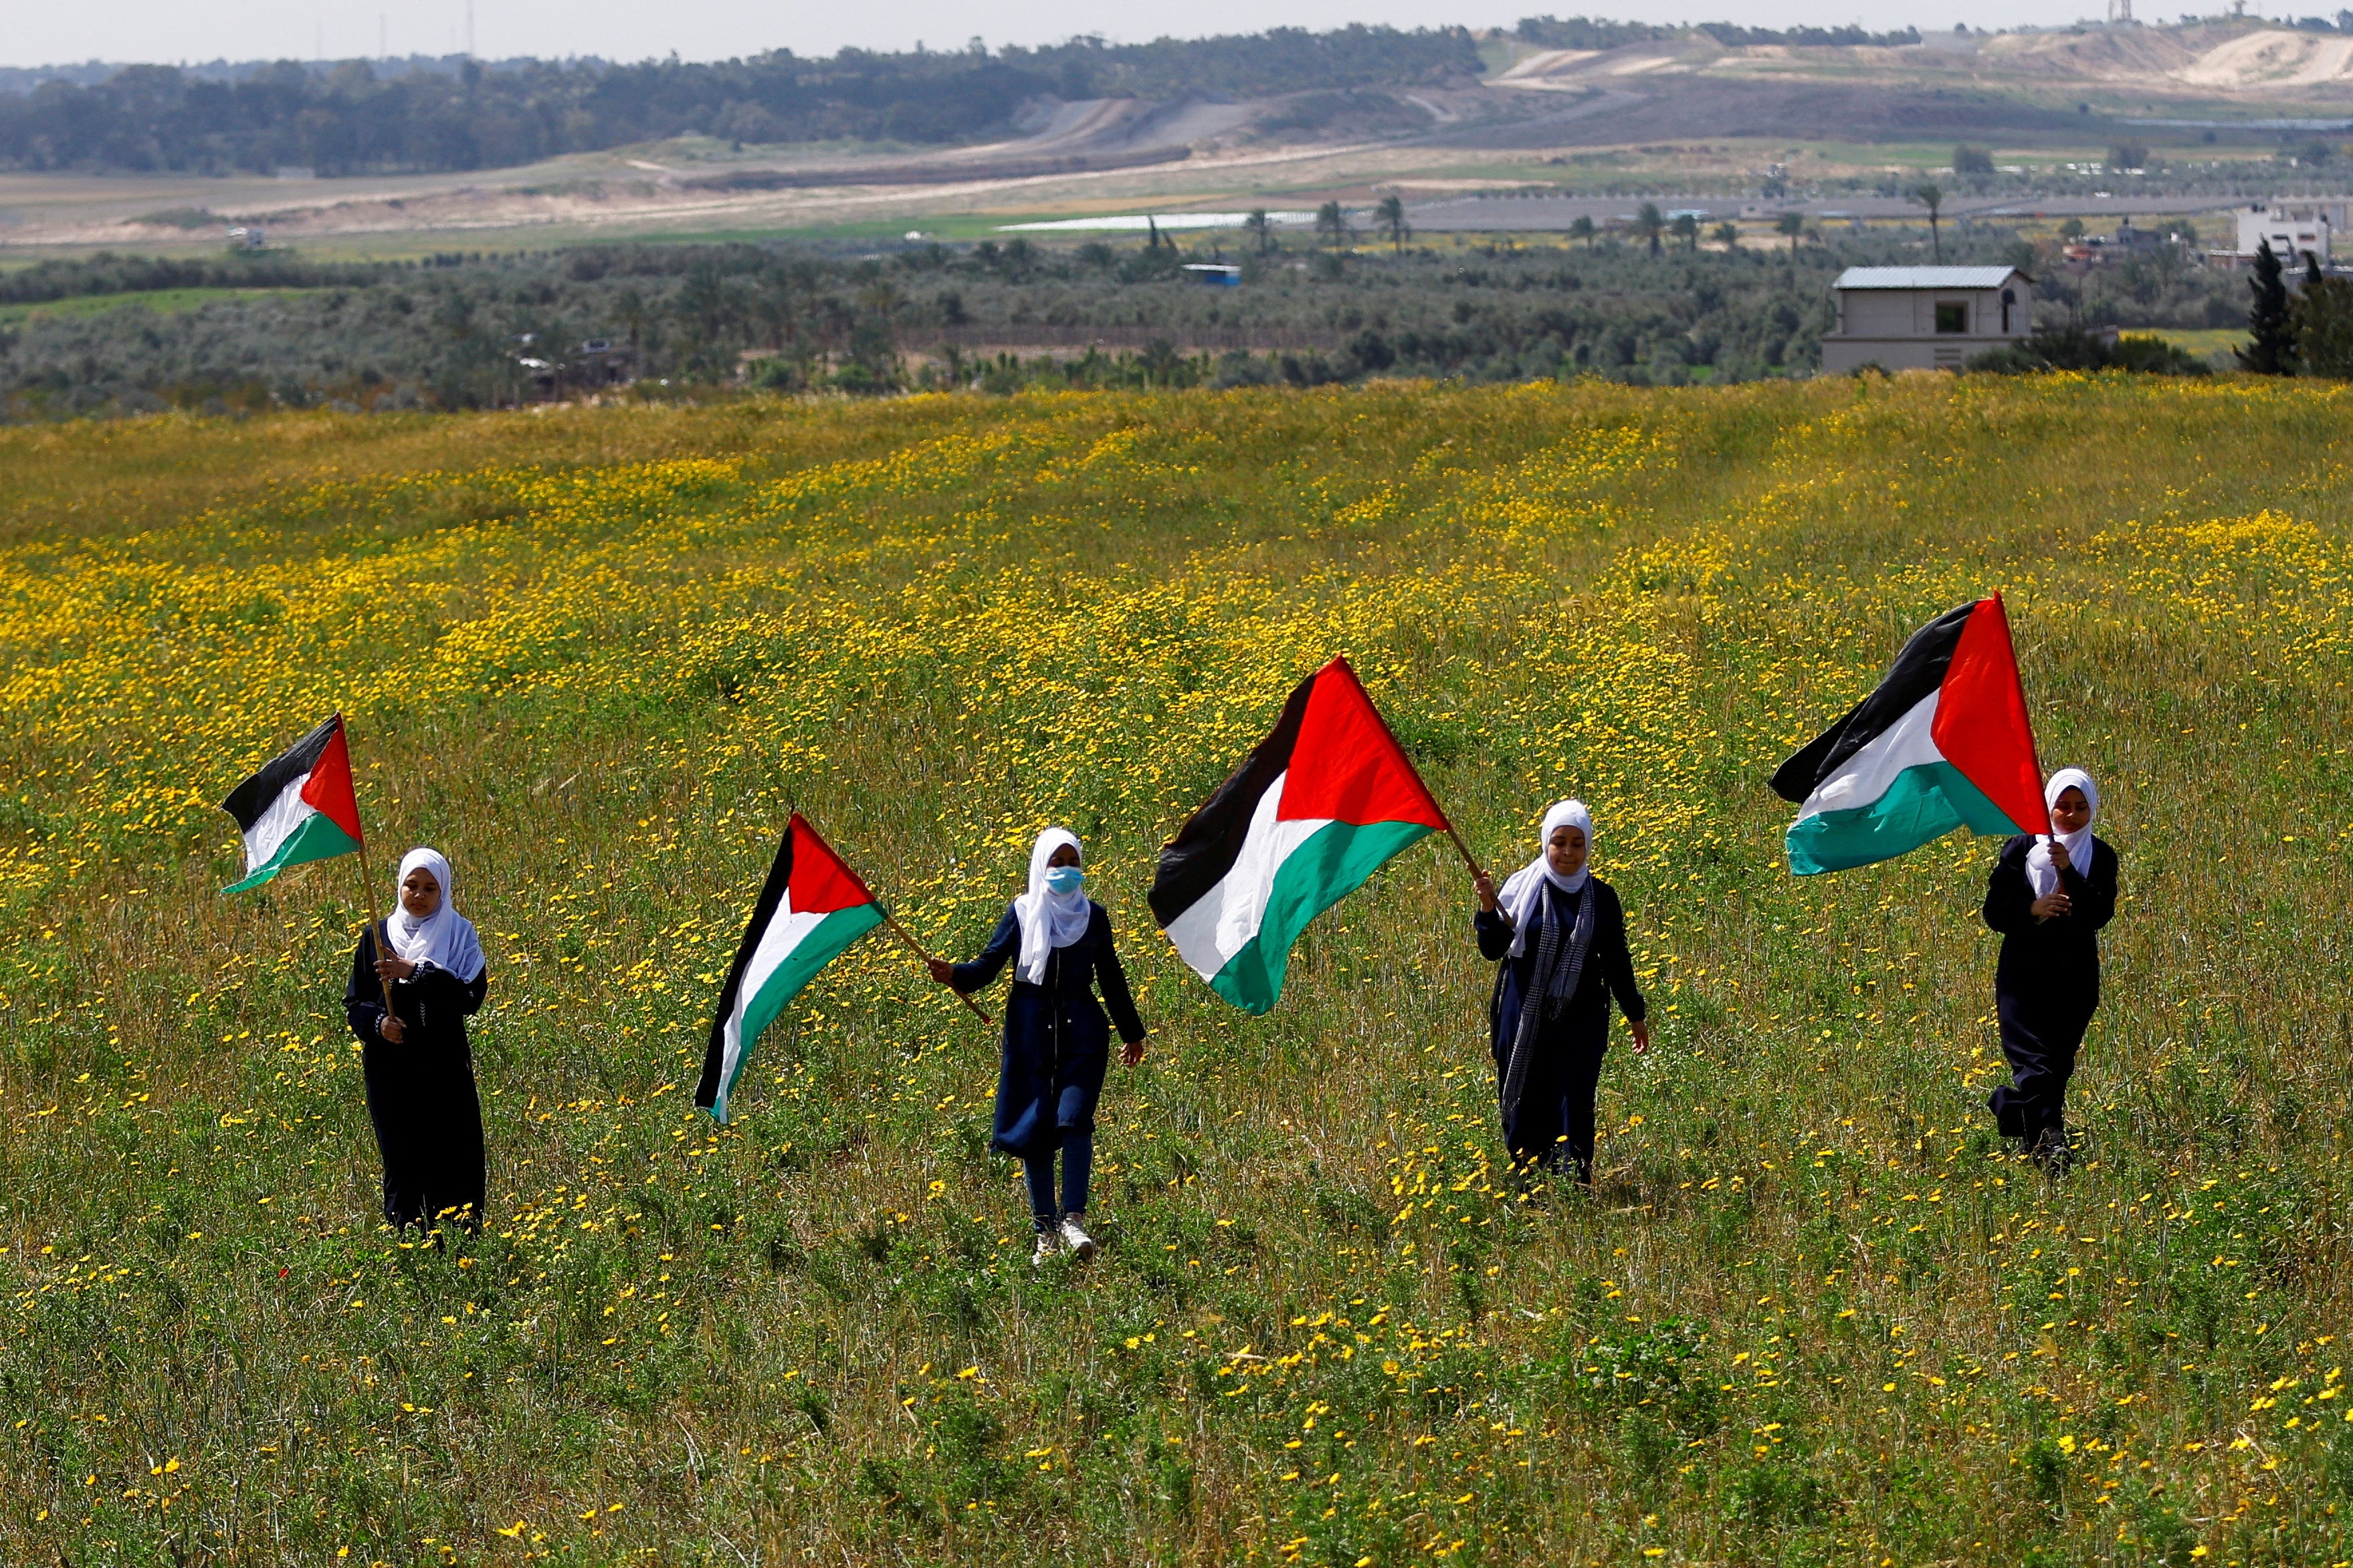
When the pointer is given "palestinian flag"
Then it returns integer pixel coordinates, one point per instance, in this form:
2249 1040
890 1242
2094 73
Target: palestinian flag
1309 815
811 909
299 807
1943 743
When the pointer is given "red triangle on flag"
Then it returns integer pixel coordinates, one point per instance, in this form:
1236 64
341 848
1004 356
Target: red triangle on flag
328 791
820 882
1981 726
1346 766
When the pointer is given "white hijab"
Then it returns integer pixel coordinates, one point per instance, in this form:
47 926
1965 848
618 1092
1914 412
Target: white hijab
2039 873
1521 894
445 938
1049 919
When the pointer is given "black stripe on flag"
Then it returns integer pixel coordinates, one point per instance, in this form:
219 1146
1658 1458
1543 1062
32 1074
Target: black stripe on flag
772 896
1918 670
256 794
1207 847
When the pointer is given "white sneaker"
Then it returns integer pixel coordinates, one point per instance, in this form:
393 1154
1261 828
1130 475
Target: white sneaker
1075 1237
1048 1244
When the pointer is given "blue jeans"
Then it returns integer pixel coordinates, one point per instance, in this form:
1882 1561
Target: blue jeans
1078 1163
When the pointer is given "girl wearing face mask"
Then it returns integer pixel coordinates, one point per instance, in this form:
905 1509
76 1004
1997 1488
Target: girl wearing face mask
418 1064
1057 1041
1559 934
2049 898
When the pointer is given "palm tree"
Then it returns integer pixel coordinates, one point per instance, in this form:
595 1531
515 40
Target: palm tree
1686 228
1390 217
1331 223
1727 235
1792 224
1260 228
1650 222
1929 197
1583 228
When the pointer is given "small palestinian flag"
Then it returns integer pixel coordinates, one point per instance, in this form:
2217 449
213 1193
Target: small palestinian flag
811 909
1943 743
299 807
1309 815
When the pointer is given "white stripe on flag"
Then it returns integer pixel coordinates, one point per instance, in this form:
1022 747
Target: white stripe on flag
275 825
1227 918
1863 777
786 931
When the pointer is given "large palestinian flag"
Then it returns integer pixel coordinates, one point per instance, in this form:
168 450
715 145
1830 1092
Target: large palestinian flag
1309 815
812 908
1943 743
299 807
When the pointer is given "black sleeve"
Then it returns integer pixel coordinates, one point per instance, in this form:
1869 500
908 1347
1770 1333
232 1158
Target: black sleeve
2094 896
2010 900
1616 960
1494 930
1118 1001
1003 944
441 991
363 997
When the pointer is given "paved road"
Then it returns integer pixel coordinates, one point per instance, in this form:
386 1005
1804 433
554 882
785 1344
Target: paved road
1550 214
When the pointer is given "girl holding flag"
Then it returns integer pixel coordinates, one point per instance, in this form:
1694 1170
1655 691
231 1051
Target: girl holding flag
2048 896
418 1064
1057 1041
1559 934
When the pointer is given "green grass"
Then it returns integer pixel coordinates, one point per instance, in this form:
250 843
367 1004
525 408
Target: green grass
1811 1313
2212 343
162 301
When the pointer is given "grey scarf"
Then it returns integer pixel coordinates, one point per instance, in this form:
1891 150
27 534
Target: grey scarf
1559 966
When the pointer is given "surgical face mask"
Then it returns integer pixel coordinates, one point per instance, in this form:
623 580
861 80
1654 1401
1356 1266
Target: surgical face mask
1065 879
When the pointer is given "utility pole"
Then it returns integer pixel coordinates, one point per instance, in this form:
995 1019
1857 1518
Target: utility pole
469 29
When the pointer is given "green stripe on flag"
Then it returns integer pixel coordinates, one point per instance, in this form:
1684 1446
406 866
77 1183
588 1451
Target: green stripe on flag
317 839
823 944
1922 805
1330 864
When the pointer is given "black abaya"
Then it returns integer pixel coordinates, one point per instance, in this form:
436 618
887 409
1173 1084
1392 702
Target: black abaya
420 1092
2047 984
1555 1113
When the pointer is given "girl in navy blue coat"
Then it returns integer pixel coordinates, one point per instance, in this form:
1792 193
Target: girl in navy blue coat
1558 935
1057 1039
2049 898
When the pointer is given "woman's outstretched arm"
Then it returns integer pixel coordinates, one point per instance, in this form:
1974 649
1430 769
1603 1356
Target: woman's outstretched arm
1003 943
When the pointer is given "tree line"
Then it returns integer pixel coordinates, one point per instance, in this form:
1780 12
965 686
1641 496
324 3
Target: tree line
354 119
1659 303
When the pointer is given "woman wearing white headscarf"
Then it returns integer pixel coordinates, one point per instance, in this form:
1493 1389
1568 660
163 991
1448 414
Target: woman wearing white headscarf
1559 934
419 1064
2049 897
1057 1039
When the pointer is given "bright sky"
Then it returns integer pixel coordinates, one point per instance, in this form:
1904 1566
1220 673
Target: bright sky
172 30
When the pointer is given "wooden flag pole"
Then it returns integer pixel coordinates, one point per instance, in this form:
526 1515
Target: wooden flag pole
367 887
917 949
900 933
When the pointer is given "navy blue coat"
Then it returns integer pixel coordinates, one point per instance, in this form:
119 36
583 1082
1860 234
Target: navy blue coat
1584 1024
1057 1039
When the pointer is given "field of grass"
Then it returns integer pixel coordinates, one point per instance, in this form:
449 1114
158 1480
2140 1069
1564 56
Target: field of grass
1812 1311
164 301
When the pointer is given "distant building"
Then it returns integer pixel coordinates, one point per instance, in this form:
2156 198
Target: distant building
2293 228
1924 318
246 239
1216 274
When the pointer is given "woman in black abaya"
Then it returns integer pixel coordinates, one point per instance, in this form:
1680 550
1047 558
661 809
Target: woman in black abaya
418 1061
2049 898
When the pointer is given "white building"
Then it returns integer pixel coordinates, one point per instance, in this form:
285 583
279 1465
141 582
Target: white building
2293 228
1924 318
